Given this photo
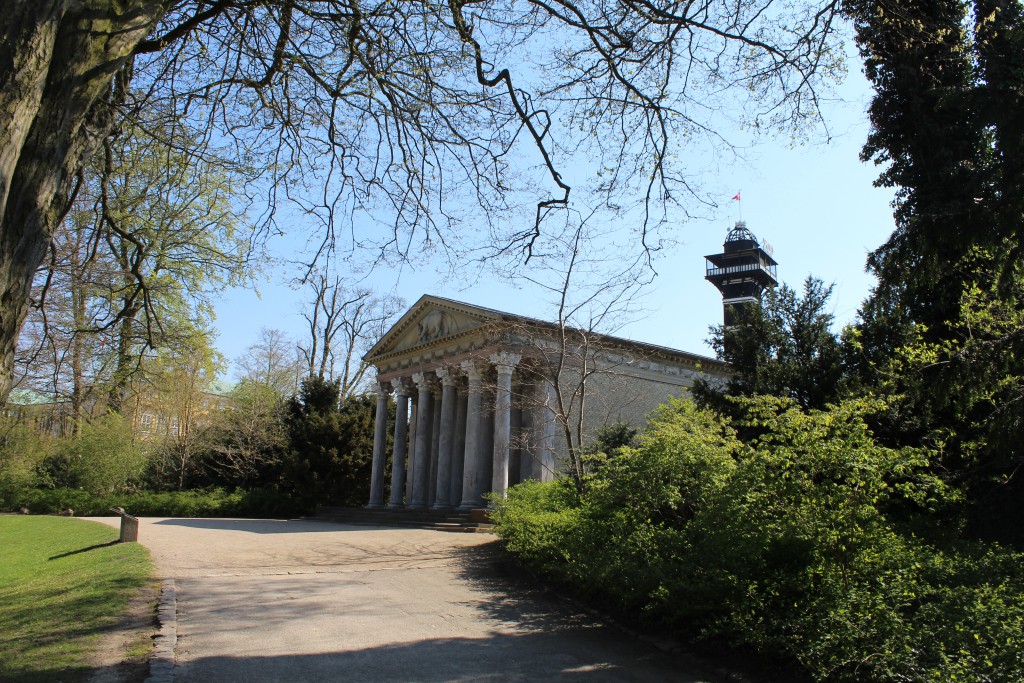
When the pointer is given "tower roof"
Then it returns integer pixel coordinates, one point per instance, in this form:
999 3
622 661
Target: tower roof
739 243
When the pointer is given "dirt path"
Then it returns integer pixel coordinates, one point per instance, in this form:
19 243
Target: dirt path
123 652
264 600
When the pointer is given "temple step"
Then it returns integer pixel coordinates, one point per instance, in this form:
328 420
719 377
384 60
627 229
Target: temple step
465 521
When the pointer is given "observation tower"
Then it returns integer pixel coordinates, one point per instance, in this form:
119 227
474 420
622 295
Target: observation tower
743 270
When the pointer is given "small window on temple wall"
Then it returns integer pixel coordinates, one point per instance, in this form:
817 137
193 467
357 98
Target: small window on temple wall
147 422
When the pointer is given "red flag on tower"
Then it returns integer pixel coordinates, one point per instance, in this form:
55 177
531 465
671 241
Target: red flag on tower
736 197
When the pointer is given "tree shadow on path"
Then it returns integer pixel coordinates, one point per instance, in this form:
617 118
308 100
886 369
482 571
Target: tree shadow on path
512 594
499 657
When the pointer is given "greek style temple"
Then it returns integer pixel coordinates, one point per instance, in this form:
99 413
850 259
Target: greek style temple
487 399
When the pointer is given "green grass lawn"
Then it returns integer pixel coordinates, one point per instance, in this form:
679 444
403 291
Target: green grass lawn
61 582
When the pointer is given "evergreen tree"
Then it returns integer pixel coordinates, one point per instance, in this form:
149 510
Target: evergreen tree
940 333
783 346
947 126
331 444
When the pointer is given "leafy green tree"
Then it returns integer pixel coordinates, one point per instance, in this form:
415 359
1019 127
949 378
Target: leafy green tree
175 232
783 346
244 447
931 140
946 130
153 236
937 332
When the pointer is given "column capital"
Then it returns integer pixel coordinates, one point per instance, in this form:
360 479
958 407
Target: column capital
448 375
473 369
424 380
382 388
505 361
402 387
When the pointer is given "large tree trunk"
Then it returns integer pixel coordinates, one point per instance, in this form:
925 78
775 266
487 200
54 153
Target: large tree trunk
58 59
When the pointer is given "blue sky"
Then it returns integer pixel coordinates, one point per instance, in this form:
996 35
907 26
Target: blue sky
814 203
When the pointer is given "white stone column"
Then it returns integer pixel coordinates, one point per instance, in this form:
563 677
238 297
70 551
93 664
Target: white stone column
458 448
421 453
446 438
401 433
435 442
505 364
411 442
471 461
486 445
380 438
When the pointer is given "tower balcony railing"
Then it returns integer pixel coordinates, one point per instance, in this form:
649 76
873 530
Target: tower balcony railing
713 271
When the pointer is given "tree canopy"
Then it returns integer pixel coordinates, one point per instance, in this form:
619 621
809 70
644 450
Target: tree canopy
407 117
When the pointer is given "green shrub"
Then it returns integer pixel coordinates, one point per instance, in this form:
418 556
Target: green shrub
22 449
621 537
795 543
103 458
536 521
55 501
196 503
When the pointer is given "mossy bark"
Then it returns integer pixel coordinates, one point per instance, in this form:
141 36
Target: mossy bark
58 60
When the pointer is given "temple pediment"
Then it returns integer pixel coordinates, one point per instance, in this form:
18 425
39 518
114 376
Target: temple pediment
430 322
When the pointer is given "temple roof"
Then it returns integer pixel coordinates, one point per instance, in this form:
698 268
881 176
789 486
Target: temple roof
433 319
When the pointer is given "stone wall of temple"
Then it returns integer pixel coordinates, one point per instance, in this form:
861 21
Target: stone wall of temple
623 398
617 395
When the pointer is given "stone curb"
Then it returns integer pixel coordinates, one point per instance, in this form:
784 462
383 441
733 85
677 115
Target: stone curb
161 662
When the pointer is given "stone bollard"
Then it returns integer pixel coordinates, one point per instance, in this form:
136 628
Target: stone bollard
129 526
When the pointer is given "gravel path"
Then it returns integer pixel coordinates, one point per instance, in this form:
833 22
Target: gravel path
269 600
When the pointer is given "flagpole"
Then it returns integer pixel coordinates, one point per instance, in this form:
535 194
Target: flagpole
739 204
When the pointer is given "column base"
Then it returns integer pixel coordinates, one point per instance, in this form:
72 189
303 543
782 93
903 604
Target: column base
437 506
374 506
417 507
396 506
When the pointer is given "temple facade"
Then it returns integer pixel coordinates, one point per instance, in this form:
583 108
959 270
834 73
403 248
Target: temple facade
487 399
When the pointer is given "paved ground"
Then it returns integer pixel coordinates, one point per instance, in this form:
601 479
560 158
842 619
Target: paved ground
295 601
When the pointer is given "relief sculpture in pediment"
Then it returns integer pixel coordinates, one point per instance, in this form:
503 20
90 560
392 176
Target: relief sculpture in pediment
435 325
